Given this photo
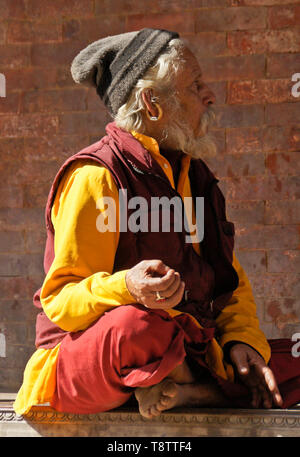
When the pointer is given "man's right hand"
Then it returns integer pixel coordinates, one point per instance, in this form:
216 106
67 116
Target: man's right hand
149 276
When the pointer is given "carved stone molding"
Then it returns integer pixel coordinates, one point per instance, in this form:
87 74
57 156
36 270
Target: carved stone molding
205 417
178 422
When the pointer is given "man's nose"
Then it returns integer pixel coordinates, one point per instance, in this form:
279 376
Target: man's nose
209 98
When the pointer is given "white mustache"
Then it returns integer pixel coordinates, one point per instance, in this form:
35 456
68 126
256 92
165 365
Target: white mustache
207 118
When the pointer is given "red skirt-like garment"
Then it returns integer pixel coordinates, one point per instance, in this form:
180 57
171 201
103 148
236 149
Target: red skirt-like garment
133 346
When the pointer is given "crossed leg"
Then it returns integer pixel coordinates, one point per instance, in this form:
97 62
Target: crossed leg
131 350
179 388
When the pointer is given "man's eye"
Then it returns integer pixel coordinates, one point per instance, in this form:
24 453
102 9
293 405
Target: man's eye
198 85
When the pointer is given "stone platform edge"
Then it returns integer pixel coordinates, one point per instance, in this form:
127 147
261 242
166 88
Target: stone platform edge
44 421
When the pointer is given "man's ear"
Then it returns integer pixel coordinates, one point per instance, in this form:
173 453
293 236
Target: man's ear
147 97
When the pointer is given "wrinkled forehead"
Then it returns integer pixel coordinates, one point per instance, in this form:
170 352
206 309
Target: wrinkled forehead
190 67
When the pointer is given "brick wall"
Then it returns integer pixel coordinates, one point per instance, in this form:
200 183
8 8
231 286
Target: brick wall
248 51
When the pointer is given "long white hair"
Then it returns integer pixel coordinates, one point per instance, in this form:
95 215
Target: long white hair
160 78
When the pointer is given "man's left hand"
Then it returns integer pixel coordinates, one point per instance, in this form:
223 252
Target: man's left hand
256 375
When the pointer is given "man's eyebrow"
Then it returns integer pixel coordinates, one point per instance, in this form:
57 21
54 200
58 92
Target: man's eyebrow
198 74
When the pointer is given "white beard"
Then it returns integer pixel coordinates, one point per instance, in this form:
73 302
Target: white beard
180 136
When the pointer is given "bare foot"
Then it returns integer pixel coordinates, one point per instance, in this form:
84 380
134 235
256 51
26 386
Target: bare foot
155 399
167 395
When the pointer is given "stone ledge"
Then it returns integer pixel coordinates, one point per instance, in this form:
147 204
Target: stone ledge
125 422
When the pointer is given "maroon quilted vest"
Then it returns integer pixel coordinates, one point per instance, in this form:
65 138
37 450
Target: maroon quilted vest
209 279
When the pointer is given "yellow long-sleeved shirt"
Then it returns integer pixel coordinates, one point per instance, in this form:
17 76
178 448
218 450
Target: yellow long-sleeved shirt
80 286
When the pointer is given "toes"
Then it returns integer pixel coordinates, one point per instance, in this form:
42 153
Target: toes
154 411
169 389
163 403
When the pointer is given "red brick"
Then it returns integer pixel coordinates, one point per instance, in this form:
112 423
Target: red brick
31 333
13 9
35 240
230 19
283 187
262 188
260 42
11 379
10 147
257 284
35 194
261 2
220 91
279 16
282 113
253 261
11 241
20 264
267 237
278 137
218 136
3 29
237 165
31 79
243 140
183 22
11 196
14 55
245 212
52 101
58 147
152 6
49 54
10 103
22 219
16 333
206 43
276 307
58 8
18 288
230 68
16 356
282 285
260 91
282 261
43 175
25 31
283 65
210 3
83 123
28 125
93 101
282 212
229 116
284 163
18 309
93 29
32 166
284 314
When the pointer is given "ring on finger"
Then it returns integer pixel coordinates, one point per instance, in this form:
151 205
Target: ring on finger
159 297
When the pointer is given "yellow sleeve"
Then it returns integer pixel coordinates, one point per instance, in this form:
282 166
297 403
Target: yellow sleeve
238 320
80 286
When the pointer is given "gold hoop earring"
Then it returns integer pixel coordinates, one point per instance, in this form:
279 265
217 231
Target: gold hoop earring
160 113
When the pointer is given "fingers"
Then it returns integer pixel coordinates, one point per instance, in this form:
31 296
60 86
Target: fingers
257 376
271 385
240 359
264 387
169 291
161 283
172 301
151 276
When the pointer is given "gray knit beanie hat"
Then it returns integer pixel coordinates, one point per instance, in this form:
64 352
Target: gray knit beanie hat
114 64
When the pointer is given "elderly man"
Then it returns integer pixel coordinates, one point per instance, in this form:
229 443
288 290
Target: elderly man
150 316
